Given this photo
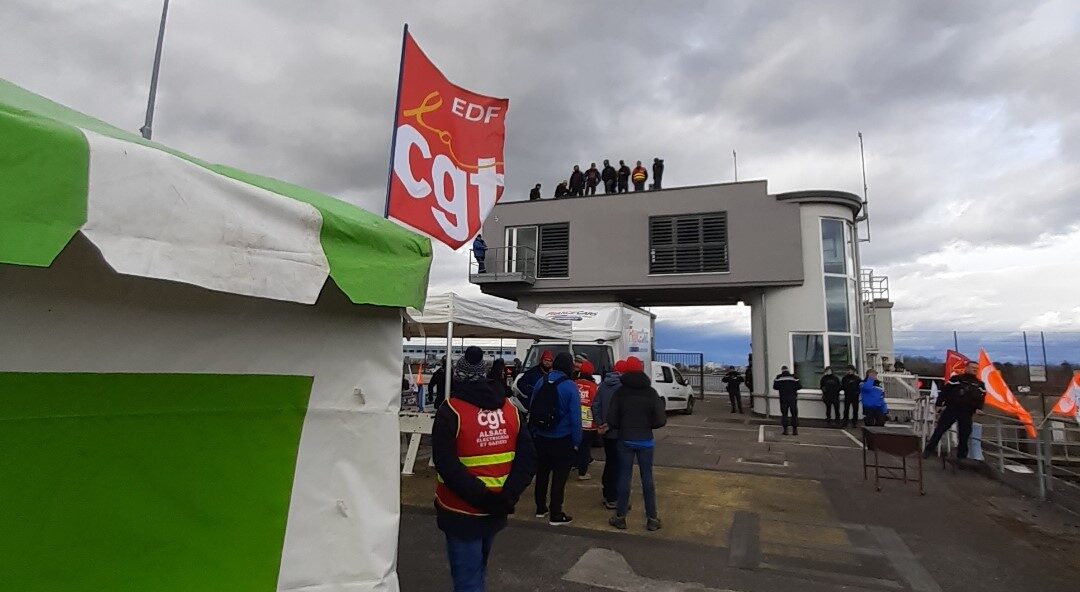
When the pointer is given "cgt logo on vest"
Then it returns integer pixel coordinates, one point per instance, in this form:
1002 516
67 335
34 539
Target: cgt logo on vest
447 155
494 432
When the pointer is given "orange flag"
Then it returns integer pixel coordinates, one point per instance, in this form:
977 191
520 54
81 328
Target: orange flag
998 394
1069 403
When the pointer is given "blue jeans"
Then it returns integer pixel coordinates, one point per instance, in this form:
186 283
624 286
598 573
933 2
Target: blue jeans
644 458
468 561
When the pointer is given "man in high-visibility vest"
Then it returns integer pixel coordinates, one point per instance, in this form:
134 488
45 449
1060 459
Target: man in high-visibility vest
639 176
484 458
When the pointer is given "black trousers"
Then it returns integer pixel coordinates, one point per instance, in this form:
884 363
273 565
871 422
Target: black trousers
590 190
832 406
962 419
623 187
656 183
584 452
639 186
851 404
609 186
610 478
554 457
789 406
736 400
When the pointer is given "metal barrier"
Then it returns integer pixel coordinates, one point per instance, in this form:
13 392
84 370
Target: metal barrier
504 265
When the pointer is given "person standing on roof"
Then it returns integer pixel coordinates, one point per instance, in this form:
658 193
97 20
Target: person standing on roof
788 386
485 459
601 404
963 395
608 176
592 179
561 190
636 410
850 385
732 381
533 375
657 172
587 391
830 395
639 176
535 193
479 249
555 420
624 177
577 182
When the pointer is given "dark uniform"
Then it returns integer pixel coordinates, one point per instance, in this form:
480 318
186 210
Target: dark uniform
788 386
830 395
733 379
962 396
850 384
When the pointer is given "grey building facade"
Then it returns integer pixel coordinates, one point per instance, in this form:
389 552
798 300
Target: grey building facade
792 257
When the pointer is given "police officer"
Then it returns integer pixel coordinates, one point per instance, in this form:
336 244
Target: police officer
850 385
963 395
830 395
485 459
788 387
732 380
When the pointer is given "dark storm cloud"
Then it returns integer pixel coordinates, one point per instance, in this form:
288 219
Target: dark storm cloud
968 107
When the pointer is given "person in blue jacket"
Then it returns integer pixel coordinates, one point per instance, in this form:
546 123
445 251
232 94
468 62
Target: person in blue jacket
873 400
557 445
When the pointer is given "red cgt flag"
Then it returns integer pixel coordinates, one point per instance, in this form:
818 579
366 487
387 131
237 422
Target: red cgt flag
447 157
955 362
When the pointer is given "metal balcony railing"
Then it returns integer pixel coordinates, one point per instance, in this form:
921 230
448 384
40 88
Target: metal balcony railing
504 265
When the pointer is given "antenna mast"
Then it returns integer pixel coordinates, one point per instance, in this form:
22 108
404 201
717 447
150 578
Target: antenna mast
865 204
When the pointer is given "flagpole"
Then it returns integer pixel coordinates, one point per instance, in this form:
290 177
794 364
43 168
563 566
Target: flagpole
147 128
397 114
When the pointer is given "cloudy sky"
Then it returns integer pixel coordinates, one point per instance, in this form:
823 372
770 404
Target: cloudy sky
969 109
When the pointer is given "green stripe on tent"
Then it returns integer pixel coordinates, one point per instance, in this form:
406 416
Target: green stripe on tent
165 482
43 177
372 260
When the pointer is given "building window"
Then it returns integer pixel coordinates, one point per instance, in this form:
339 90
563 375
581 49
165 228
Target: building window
695 243
841 307
839 352
836 304
808 358
547 246
833 246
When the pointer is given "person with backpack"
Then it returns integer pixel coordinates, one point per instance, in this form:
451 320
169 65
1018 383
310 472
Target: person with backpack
636 410
555 421
601 403
586 385
485 459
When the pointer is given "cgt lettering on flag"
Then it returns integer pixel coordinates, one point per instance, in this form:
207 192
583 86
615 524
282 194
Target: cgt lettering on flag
448 170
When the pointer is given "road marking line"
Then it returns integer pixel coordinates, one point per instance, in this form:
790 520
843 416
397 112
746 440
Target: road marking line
853 438
761 434
903 560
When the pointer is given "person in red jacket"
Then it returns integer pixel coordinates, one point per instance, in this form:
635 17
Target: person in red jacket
587 389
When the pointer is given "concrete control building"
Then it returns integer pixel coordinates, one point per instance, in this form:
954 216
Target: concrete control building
792 257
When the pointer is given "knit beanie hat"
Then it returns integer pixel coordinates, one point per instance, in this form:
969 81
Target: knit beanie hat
470 367
633 364
620 366
564 363
587 368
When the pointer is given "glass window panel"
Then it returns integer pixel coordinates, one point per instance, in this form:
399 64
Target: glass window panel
832 245
849 233
857 353
853 309
808 358
836 304
839 352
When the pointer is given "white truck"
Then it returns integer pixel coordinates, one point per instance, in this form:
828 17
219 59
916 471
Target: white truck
606 332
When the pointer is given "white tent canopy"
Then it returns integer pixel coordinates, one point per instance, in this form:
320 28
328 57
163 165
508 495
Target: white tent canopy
475 319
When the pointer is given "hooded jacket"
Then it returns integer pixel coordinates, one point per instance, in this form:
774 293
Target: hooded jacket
577 180
602 402
872 395
444 430
636 408
608 174
592 176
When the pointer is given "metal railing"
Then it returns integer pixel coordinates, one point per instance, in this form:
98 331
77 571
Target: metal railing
504 264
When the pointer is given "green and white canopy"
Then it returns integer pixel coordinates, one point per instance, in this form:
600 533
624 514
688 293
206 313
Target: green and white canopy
159 213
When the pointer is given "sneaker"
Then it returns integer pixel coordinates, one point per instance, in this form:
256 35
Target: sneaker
541 512
652 524
611 505
785 432
584 477
618 522
559 519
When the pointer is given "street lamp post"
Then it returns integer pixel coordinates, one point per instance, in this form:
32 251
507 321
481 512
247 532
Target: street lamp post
148 125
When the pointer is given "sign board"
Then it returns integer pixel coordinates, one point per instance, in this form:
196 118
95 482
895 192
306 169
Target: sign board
1037 372
1023 389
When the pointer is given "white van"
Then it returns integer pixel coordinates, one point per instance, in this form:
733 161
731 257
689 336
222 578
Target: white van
673 388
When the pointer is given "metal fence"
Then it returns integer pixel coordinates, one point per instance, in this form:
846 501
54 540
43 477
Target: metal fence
690 364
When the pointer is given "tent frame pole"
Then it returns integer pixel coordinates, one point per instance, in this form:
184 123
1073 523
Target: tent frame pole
449 356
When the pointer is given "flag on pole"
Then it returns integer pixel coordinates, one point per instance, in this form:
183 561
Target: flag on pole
1069 403
446 161
955 362
1000 396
